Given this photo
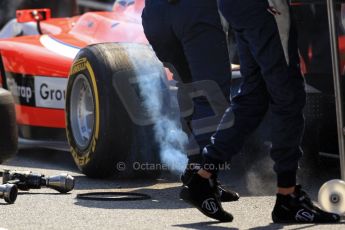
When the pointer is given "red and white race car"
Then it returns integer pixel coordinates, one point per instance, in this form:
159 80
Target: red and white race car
35 68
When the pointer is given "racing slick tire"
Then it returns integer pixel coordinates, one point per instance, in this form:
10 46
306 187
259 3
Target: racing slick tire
105 135
8 126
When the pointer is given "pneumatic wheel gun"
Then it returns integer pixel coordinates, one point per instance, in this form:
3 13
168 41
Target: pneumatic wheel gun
26 180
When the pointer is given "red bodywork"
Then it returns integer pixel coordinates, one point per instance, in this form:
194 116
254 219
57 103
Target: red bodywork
50 56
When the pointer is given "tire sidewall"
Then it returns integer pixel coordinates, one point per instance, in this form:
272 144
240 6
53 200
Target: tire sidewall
95 154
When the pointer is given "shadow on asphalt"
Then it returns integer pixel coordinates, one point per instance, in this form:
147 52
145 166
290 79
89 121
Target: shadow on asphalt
3 203
32 192
273 226
204 225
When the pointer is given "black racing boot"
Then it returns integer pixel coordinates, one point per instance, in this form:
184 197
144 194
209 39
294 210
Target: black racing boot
226 195
298 208
202 194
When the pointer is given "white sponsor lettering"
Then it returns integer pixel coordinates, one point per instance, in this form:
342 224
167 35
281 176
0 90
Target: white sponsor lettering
19 91
50 92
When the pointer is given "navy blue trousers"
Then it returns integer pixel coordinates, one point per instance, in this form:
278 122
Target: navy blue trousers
189 35
271 80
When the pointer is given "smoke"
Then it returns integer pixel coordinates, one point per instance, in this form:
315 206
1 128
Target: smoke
162 109
260 177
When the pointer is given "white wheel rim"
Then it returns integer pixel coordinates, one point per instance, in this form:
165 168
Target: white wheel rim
332 196
82 112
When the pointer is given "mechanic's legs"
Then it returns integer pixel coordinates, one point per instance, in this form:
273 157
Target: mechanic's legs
293 203
203 38
187 55
279 63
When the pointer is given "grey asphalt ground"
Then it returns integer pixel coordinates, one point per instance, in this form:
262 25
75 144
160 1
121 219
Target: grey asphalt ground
46 209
